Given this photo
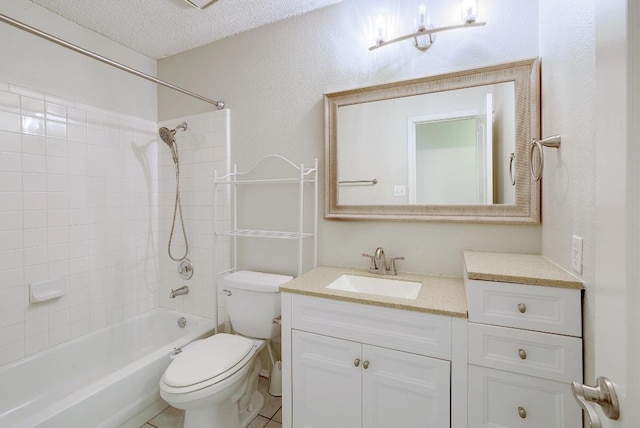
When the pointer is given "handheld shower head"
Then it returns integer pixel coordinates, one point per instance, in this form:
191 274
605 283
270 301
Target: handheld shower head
169 137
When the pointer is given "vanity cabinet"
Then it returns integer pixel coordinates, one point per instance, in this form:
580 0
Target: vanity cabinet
525 349
356 365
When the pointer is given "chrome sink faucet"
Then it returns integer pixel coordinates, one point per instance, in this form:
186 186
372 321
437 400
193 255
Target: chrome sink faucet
379 263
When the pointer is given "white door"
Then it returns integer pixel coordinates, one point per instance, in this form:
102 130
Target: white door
617 281
404 390
327 382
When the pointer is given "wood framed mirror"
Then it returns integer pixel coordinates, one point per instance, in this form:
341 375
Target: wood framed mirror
452 147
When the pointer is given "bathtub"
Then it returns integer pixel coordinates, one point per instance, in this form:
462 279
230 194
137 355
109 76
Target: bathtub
106 379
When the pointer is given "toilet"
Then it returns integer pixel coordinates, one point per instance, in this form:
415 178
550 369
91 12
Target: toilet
215 380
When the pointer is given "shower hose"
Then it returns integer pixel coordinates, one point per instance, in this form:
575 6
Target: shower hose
177 209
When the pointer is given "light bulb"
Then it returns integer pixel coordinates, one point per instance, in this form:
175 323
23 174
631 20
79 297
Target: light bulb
469 11
422 16
381 28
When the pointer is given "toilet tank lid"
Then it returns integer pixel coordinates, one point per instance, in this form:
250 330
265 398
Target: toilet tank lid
256 281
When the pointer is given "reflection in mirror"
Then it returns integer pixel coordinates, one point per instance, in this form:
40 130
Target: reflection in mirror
438 148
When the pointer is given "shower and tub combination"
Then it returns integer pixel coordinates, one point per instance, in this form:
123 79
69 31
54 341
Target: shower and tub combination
108 378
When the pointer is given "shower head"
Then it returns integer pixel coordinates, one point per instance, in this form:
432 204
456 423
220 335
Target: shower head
169 137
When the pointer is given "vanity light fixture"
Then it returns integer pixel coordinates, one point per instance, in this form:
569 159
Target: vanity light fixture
200 4
425 33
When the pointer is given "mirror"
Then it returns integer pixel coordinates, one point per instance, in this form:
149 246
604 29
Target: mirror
453 147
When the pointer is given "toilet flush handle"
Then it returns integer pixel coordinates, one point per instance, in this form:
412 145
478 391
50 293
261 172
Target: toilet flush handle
277 320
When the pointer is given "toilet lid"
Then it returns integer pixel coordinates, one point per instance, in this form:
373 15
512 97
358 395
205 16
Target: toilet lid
207 359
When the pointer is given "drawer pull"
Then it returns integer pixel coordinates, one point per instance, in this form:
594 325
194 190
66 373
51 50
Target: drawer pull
365 365
522 308
356 362
523 354
522 412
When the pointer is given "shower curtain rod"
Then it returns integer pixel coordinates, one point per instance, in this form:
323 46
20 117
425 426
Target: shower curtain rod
63 43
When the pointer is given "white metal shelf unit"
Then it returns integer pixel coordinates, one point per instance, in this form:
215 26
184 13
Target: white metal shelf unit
303 176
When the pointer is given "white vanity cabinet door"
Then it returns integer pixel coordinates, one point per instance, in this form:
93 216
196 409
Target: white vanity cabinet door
404 390
500 399
343 384
326 384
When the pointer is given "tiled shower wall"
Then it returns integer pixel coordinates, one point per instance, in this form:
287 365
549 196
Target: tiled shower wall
203 148
78 201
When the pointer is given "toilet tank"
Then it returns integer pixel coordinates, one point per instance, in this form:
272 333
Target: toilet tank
253 301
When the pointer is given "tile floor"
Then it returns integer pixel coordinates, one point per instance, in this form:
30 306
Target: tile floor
269 417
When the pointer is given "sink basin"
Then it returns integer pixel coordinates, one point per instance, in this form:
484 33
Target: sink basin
377 286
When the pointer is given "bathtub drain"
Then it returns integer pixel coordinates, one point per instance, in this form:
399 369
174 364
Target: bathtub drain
182 322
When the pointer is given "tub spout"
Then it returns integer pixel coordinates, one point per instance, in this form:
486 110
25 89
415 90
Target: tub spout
178 291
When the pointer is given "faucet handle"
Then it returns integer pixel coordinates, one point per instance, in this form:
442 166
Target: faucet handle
373 261
392 262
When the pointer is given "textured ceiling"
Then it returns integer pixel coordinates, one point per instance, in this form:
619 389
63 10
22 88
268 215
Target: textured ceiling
161 28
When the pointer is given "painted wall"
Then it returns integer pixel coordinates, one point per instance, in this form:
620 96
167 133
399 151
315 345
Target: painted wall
567 48
273 79
77 184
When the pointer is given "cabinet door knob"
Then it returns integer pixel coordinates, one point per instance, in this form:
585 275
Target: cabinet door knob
522 412
365 365
523 354
522 308
356 362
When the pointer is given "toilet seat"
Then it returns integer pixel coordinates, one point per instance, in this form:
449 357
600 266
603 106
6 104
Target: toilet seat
208 362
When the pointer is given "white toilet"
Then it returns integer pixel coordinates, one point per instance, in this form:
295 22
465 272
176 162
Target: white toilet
215 380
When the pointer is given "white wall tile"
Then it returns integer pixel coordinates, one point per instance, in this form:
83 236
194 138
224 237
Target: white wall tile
36 326
34 163
9 102
65 169
11 259
32 106
11 315
34 182
10 162
33 126
11 220
10 142
9 121
10 278
11 352
10 181
56 147
11 334
36 343
11 240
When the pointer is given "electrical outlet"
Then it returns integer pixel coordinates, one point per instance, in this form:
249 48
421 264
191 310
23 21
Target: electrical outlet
399 190
576 253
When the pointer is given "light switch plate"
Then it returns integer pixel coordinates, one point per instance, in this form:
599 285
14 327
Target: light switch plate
576 253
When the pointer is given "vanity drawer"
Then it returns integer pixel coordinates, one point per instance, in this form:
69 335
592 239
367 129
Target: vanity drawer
549 356
530 307
410 331
500 399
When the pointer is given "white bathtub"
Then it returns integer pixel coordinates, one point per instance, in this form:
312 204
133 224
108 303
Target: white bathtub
106 379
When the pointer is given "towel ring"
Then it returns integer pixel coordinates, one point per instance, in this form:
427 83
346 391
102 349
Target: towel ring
512 158
553 142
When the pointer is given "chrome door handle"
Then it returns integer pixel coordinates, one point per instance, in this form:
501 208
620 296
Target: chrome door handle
603 394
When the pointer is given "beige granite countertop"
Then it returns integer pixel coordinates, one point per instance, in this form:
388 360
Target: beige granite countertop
438 295
530 269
